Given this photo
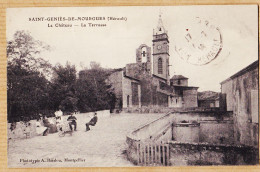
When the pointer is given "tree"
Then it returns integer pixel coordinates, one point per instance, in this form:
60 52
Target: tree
25 53
95 65
92 90
27 87
63 88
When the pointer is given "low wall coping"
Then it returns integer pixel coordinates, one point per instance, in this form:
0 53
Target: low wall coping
131 134
211 145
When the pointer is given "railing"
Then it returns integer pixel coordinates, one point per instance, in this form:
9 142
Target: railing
153 154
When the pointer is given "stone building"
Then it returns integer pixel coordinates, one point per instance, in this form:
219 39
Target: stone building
209 99
185 96
241 91
147 82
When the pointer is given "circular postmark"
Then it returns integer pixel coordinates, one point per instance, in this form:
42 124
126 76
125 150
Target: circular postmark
200 43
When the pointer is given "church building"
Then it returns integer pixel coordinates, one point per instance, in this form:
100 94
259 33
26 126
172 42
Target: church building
147 82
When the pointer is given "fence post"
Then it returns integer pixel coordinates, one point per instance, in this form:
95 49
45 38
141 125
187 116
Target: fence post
148 154
152 154
138 153
144 154
160 160
168 154
155 153
163 152
141 153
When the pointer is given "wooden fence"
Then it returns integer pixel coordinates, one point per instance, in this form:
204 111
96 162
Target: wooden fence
153 154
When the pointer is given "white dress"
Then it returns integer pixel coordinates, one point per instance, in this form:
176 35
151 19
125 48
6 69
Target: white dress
60 122
58 113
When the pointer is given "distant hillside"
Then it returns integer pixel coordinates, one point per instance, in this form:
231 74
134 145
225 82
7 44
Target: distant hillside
208 95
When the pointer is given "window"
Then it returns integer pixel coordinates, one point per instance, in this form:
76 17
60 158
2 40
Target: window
128 100
160 67
179 82
144 54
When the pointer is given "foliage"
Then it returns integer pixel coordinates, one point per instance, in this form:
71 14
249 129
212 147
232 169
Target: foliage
30 93
24 52
63 88
92 90
27 87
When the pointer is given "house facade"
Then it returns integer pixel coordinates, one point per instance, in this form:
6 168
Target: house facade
241 90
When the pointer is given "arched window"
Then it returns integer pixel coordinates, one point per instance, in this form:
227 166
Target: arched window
160 66
144 54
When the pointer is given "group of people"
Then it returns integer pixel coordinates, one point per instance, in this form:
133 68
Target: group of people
49 126
72 121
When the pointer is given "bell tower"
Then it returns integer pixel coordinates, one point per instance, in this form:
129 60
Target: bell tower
161 51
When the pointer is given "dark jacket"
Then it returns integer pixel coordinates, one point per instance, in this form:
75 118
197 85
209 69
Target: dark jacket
93 120
72 118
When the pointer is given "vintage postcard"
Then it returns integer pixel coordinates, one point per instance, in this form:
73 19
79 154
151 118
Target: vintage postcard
132 86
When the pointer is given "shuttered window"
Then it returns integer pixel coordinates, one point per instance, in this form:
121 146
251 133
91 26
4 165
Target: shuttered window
160 67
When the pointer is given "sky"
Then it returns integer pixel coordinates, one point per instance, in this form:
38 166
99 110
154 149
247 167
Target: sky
115 45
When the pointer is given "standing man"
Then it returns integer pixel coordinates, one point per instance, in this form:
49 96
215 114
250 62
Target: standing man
92 122
72 120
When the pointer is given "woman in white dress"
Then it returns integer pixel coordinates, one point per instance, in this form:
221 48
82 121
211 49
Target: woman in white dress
59 123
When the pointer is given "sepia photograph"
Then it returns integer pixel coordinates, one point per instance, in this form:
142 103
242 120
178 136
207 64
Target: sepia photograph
132 86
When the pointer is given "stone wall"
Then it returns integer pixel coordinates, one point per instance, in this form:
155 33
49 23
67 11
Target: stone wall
24 130
136 70
131 151
216 132
183 154
191 154
186 132
211 129
240 89
30 126
162 99
158 109
176 101
21 128
127 91
227 89
147 90
204 128
115 79
190 98
208 103
150 131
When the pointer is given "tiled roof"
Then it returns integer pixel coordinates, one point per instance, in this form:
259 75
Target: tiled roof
208 95
179 77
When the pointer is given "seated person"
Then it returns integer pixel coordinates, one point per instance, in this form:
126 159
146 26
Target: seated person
92 122
72 120
41 130
52 127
